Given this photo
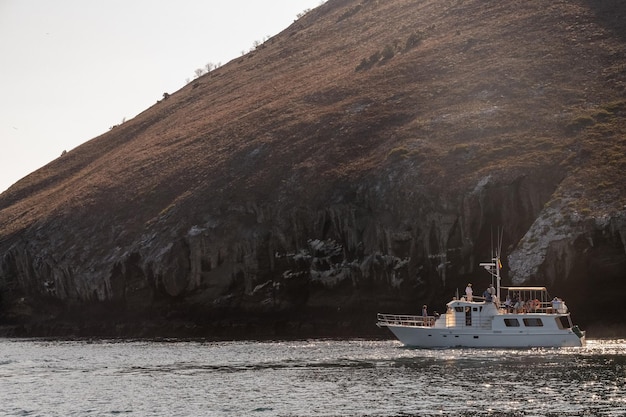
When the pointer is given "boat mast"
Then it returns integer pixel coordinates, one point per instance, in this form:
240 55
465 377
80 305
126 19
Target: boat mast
495 264
498 266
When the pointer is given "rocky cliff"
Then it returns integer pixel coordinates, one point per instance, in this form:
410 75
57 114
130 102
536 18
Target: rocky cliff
361 160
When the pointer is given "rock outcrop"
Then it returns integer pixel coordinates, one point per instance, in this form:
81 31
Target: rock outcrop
361 160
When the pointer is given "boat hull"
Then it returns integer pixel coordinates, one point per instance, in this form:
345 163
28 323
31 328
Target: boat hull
426 337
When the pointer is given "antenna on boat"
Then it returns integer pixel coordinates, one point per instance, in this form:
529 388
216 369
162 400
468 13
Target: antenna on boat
495 264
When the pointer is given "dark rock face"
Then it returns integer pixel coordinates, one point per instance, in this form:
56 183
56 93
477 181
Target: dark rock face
363 254
243 206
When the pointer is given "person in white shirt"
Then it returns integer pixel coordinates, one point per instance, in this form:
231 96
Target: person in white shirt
468 292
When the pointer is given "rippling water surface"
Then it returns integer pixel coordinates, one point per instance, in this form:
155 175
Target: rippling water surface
307 378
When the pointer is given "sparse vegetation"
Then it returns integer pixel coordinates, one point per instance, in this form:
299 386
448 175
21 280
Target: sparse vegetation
364 64
199 72
398 153
616 107
121 123
579 123
350 12
370 62
389 51
600 119
303 13
414 39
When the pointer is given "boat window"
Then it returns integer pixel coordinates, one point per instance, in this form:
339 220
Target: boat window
533 322
511 322
564 322
475 309
459 309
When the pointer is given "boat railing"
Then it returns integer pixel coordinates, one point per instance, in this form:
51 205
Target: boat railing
546 307
405 320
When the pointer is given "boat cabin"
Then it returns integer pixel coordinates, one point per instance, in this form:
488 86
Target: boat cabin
470 313
523 307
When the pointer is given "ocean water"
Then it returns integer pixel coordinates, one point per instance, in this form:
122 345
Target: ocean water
306 378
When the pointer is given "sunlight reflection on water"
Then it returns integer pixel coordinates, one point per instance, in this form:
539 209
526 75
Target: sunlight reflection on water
307 378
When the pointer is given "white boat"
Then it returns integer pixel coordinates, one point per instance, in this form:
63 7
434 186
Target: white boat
484 322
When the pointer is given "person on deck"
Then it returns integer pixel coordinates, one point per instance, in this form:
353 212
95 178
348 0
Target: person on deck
489 293
492 293
468 292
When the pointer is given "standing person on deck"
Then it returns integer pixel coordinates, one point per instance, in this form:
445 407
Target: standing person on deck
492 293
489 293
468 292
425 319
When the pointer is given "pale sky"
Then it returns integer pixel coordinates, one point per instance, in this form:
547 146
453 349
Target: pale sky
71 69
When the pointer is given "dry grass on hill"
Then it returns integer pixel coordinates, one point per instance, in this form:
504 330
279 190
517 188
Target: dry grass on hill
456 89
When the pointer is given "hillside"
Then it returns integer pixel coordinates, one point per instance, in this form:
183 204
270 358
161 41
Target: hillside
358 161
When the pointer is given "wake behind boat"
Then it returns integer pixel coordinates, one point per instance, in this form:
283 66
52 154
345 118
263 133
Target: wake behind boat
528 318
